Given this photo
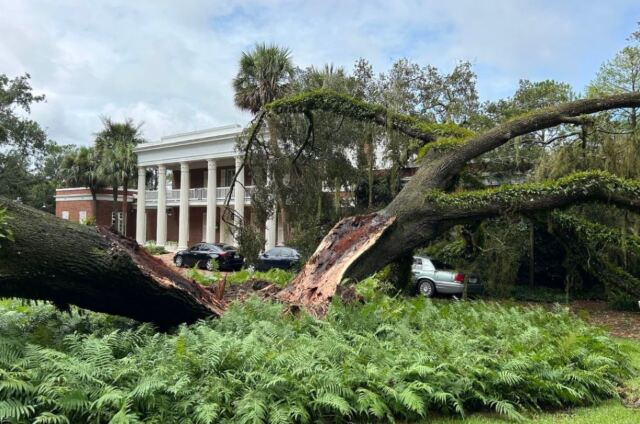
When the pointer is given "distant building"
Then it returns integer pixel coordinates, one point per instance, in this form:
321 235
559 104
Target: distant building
189 209
76 204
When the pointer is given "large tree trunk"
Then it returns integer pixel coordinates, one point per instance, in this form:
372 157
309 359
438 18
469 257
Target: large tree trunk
94 268
316 284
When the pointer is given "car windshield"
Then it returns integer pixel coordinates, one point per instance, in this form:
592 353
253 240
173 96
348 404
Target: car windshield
211 247
440 265
281 251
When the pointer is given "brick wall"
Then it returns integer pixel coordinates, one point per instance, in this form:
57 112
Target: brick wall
102 212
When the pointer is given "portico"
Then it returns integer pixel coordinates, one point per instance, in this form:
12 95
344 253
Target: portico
188 207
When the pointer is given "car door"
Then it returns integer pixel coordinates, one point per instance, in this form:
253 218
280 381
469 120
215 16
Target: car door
444 277
267 260
197 254
279 258
416 267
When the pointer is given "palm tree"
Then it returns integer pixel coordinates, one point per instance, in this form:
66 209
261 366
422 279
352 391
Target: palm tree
80 168
265 75
114 144
128 164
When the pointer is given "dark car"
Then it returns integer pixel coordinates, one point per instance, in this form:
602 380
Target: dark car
278 257
202 255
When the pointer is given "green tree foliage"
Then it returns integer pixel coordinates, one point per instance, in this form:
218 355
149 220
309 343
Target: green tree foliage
605 142
320 160
16 131
29 162
384 361
264 76
620 75
81 168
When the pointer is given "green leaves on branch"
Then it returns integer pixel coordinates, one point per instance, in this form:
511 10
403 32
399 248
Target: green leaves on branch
442 145
581 184
345 105
594 233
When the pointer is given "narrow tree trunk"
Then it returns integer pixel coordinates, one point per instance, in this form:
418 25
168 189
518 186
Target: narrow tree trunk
125 205
114 208
53 259
532 262
94 205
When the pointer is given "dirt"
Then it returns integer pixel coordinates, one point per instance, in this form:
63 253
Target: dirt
231 292
618 323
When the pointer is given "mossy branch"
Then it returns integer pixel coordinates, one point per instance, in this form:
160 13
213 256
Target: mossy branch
580 187
345 105
594 233
549 117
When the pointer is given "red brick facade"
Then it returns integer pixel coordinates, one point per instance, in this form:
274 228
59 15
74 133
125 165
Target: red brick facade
70 203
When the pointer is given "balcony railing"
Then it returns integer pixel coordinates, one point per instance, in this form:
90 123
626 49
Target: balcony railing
196 195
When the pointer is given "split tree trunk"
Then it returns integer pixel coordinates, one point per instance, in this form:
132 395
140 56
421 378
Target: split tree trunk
94 268
409 221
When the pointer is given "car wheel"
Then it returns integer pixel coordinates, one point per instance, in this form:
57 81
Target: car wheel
179 261
426 288
210 265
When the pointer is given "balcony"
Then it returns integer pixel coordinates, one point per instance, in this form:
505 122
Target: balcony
197 196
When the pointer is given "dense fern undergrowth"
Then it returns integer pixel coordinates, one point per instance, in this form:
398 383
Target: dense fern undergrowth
389 359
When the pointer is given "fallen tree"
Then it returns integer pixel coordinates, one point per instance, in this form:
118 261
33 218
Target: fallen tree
94 268
69 264
423 209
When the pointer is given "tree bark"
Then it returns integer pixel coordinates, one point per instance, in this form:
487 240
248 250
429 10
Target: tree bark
94 268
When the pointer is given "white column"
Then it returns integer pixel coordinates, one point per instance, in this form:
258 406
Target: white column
211 201
238 193
141 206
161 229
183 225
270 230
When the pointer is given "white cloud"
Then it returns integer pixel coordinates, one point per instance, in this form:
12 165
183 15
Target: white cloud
170 63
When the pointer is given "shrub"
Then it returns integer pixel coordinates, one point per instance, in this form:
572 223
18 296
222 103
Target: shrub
384 360
276 276
154 249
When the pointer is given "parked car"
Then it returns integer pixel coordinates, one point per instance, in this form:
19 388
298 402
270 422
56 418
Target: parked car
203 254
278 257
432 276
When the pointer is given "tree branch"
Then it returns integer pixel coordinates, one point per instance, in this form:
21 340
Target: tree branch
535 121
593 186
344 105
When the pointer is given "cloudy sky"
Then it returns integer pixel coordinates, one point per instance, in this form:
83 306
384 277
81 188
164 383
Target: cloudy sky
170 63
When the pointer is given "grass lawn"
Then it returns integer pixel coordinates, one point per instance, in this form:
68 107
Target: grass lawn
609 412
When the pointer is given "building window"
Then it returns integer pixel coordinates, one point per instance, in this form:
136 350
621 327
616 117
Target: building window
82 217
226 176
117 222
65 214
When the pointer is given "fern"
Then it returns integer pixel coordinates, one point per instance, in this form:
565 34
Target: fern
387 360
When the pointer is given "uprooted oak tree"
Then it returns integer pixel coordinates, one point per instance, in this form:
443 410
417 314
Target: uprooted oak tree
70 264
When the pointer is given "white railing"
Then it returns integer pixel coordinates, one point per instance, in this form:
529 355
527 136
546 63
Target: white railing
222 192
173 196
198 194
